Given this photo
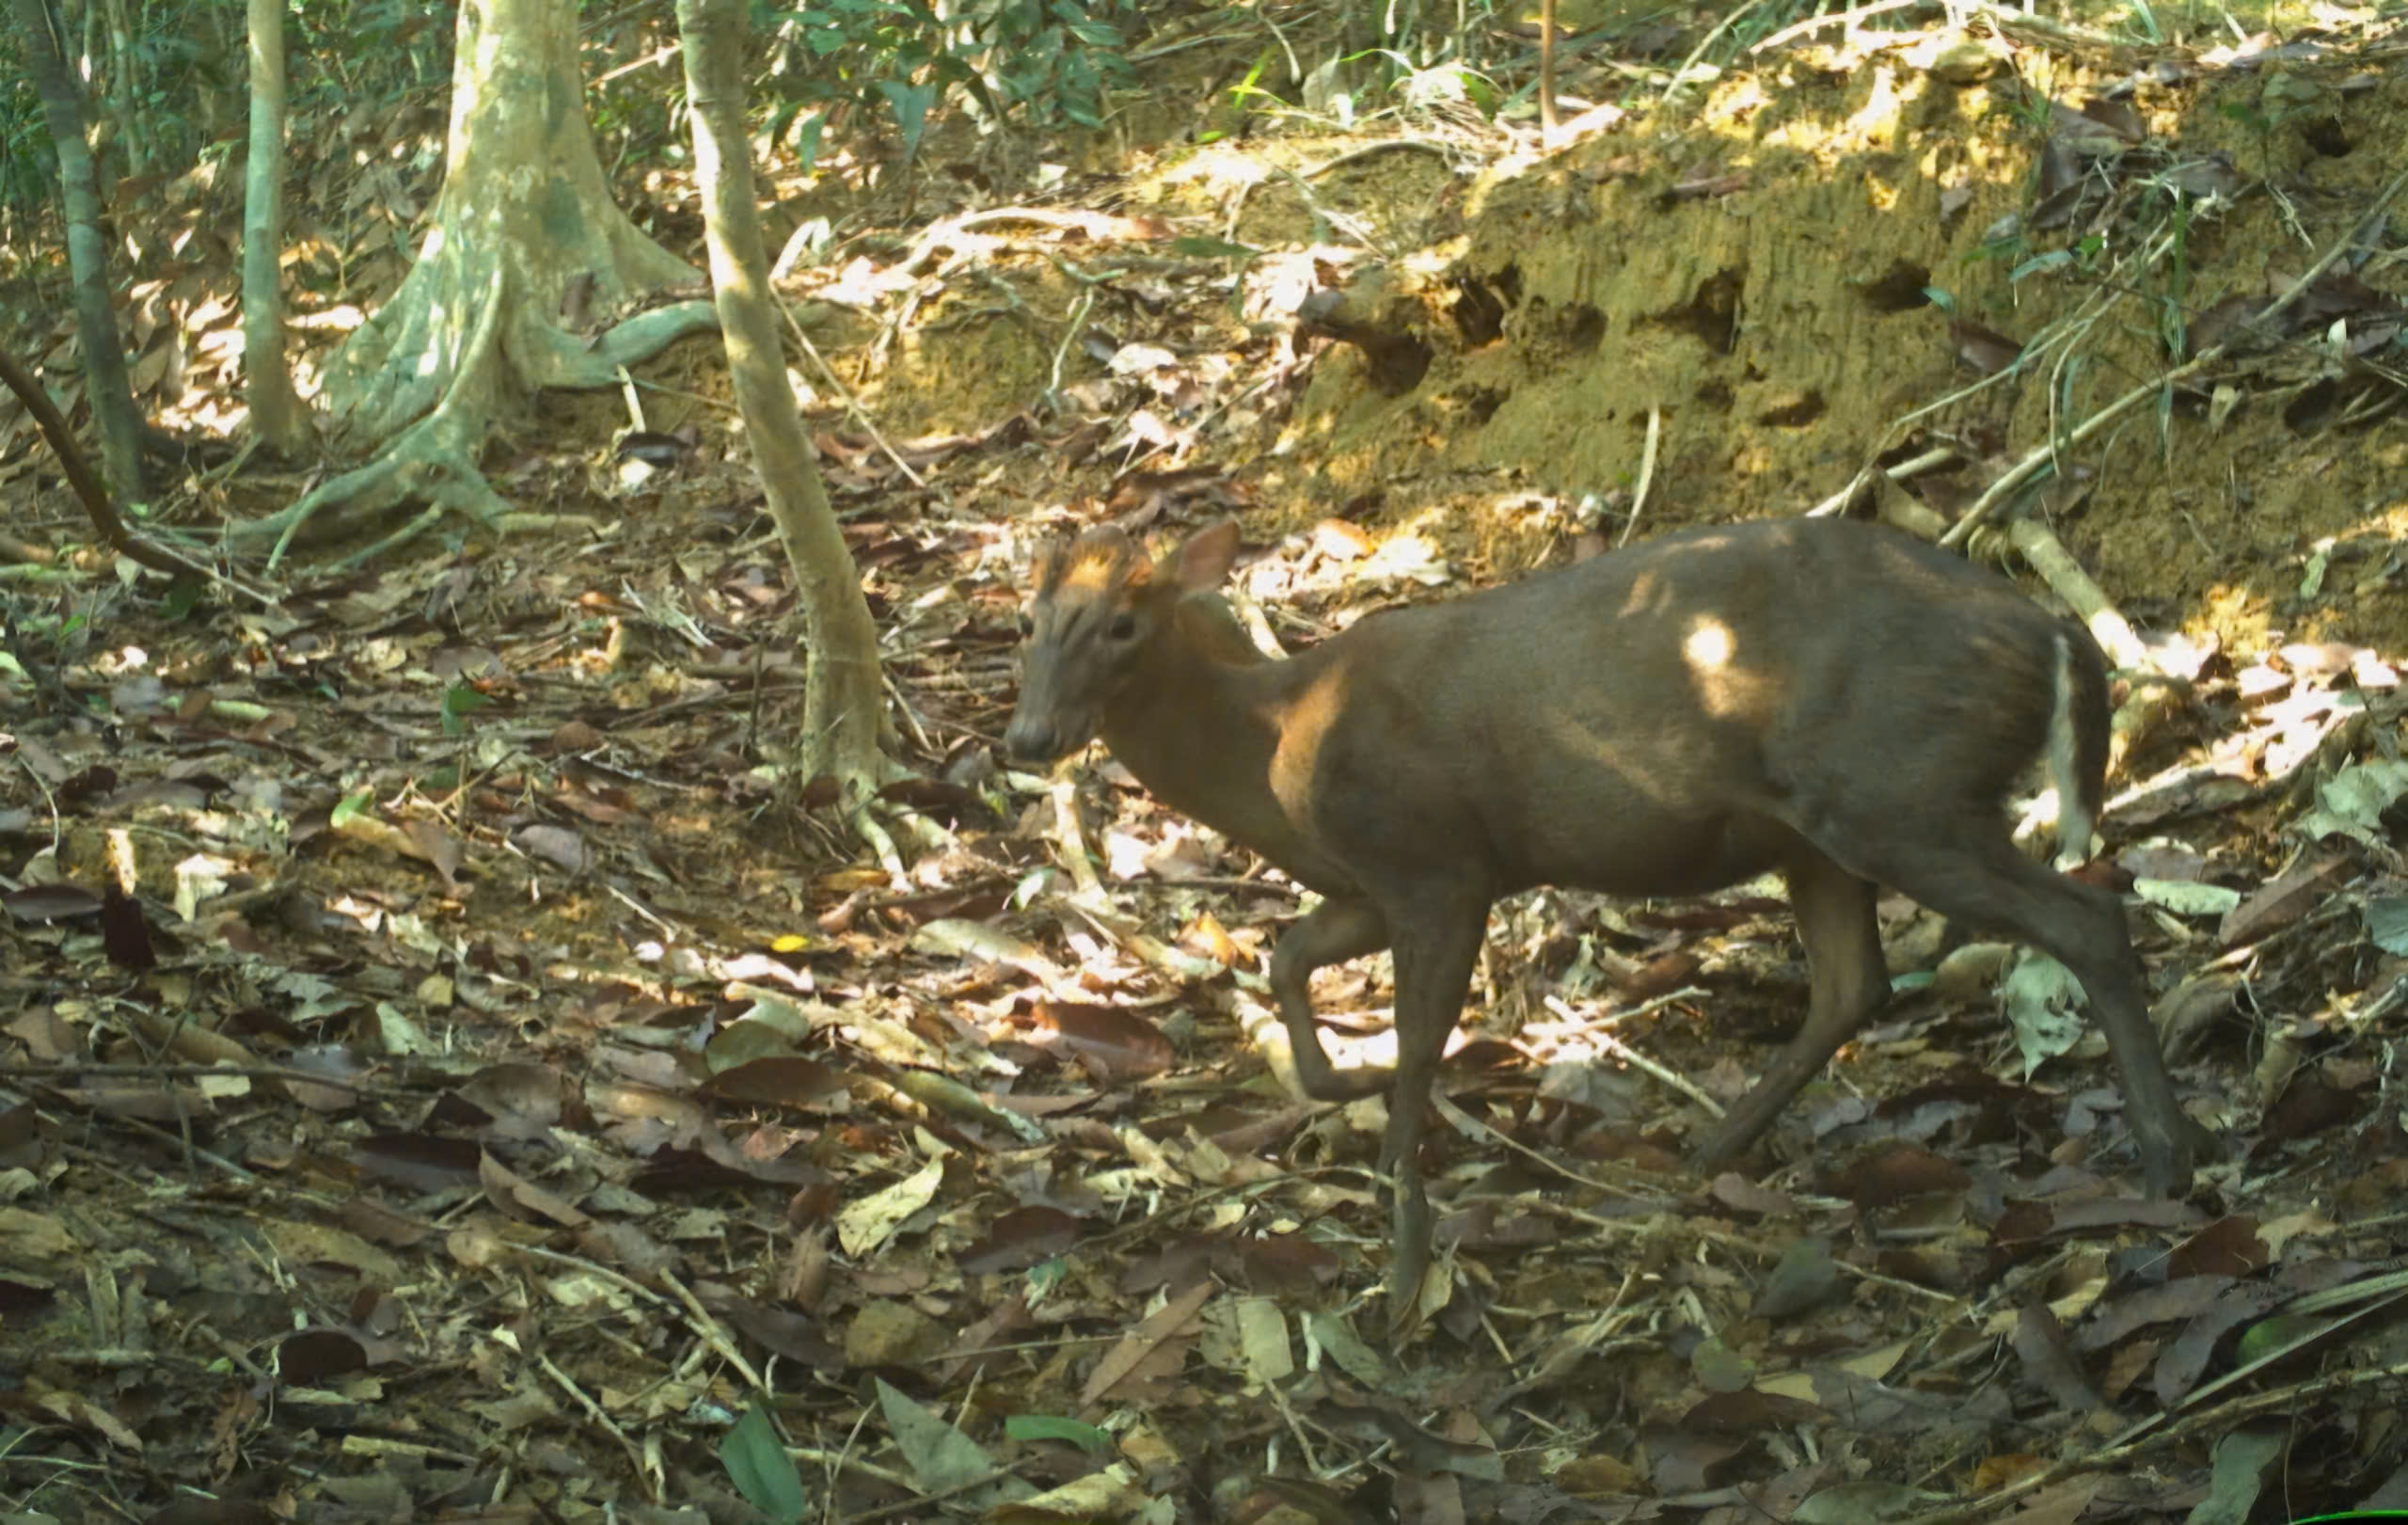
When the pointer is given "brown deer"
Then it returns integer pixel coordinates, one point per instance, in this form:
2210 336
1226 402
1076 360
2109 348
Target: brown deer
1834 700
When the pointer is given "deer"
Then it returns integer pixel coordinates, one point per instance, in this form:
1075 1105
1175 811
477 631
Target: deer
1830 699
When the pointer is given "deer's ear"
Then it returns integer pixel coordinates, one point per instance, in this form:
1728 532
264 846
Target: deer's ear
1204 559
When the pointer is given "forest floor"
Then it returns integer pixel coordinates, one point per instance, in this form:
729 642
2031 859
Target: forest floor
493 1071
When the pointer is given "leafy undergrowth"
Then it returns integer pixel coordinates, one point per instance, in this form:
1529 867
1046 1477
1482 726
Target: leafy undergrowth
491 1080
476 1100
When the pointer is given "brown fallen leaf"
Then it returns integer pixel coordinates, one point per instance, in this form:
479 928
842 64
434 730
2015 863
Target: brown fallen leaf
1147 1344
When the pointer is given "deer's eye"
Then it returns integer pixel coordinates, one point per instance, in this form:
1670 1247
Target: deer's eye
1123 626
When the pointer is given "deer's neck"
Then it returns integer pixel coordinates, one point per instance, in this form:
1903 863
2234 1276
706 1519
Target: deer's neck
1202 724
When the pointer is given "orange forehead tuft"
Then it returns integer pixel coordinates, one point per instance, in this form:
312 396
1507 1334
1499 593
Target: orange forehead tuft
1092 569
1099 562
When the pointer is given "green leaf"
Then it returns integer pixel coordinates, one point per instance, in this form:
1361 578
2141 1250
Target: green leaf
349 808
2038 262
910 105
459 702
1045 1276
1052 1427
2280 1332
183 596
2245 1466
942 1458
1198 246
2187 898
806 142
2352 801
2387 923
757 1464
1865 1501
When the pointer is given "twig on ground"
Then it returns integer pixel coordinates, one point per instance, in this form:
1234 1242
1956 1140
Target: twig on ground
1646 473
2042 455
1237 202
853 405
1640 1062
595 1412
1837 18
1471 1127
2047 555
1930 460
2150 704
1672 87
700 1320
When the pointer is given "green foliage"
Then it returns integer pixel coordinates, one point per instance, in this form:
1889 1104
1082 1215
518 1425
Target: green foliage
350 53
1053 51
28 163
182 597
184 75
1026 1428
757 1464
2172 302
1052 59
2083 257
59 632
459 702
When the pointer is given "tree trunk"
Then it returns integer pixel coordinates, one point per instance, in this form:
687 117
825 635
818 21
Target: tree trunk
106 386
518 285
125 93
523 195
276 414
841 692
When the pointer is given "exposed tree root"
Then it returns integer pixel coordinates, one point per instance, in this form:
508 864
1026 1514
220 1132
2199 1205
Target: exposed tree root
527 261
430 470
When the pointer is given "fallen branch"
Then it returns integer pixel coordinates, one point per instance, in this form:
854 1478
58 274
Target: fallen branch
95 498
1842 501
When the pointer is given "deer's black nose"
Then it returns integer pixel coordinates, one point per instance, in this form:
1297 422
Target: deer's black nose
1029 739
